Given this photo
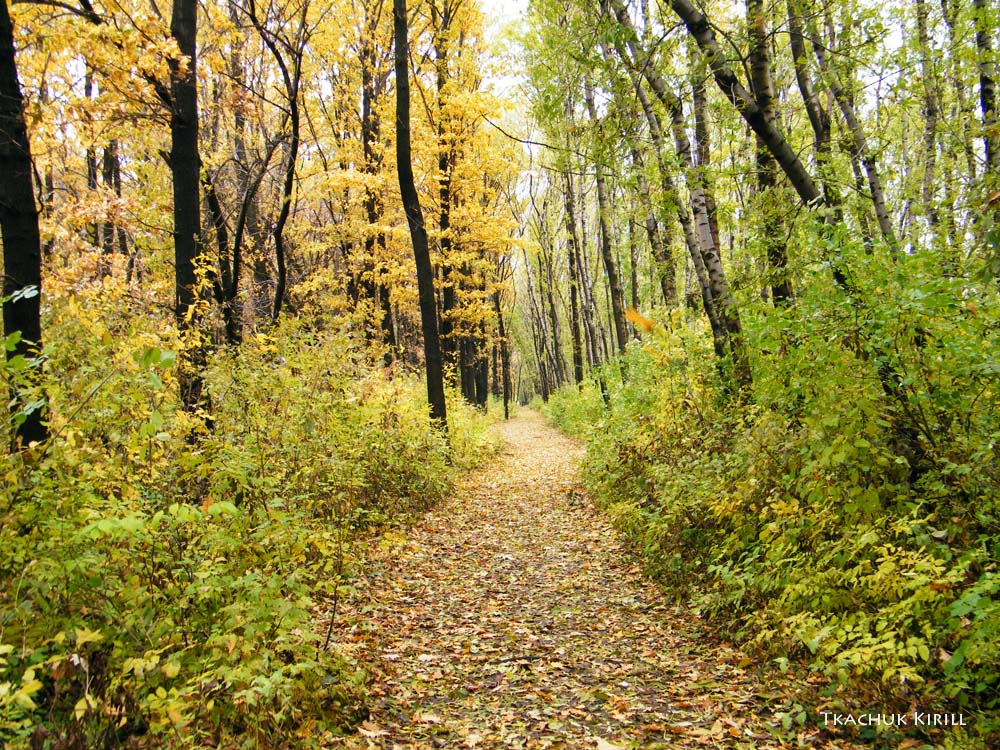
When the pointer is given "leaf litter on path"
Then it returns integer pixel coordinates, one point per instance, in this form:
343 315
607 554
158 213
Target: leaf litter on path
512 616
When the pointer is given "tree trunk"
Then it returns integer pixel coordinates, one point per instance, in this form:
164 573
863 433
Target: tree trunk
504 353
574 284
772 227
451 342
22 246
376 291
985 20
703 145
481 370
657 233
859 143
415 219
705 238
291 78
931 110
185 167
633 276
466 369
549 296
607 252
587 308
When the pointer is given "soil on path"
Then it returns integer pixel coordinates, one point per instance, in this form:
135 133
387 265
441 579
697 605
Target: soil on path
511 616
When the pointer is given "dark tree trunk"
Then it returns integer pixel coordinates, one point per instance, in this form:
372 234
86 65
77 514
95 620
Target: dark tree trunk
466 367
987 84
375 290
185 170
574 284
291 75
22 246
93 230
415 219
504 354
451 343
108 161
482 371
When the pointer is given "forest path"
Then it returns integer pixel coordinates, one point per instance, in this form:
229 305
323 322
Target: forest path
511 616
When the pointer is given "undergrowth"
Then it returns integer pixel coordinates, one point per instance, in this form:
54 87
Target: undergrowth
159 590
791 519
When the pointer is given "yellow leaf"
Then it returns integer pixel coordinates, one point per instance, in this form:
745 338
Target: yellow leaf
80 709
83 635
639 320
170 669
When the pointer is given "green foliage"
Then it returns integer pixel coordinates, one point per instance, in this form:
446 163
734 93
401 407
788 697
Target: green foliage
164 591
574 411
803 521
470 438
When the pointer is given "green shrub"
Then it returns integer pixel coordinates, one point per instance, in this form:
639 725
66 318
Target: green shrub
161 591
799 520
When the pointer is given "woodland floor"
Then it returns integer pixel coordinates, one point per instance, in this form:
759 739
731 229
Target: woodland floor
512 616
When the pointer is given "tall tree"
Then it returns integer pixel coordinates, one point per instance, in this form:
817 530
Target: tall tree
604 224
705 233
772 229
185 169
415 219
22 246
985 23
573 240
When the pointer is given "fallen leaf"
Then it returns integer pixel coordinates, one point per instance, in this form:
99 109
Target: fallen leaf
371 729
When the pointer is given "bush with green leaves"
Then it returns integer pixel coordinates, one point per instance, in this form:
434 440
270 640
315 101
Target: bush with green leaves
164 586
800 518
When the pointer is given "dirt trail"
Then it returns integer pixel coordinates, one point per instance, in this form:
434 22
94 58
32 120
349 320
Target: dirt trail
512 617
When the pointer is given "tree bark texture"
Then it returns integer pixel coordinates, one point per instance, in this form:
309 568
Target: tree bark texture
415 219
185 167
22 247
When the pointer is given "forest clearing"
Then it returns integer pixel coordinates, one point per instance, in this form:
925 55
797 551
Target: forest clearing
615 374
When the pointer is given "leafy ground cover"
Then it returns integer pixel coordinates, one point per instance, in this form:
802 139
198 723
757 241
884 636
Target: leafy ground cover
512 616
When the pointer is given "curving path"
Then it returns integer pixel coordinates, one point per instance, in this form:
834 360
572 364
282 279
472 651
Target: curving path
512 617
